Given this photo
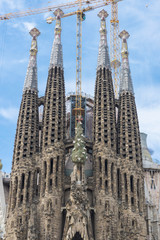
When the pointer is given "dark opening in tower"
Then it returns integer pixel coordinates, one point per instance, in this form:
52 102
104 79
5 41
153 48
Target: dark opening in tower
77 236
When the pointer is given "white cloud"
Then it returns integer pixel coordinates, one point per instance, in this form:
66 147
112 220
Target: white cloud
11 5
149 118
10 113
23 60
24 26
148 96
148 106
29 25
14 62
19 61
143 24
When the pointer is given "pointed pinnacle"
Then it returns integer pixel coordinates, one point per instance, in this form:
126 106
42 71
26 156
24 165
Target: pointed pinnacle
34 33
124 35
126 80
103 14
31 76
56 59
103 55
58 13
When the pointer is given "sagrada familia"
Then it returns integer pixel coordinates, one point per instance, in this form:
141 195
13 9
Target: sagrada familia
47 204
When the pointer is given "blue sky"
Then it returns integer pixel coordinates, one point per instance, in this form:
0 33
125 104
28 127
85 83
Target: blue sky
140 18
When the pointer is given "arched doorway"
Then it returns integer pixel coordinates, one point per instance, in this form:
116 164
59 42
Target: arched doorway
77 236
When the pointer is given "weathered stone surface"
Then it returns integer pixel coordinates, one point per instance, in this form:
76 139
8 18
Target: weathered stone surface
44 203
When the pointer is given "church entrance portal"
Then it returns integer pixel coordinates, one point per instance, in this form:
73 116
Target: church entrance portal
77 236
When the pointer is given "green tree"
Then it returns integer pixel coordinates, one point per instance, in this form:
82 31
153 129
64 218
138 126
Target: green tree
79 153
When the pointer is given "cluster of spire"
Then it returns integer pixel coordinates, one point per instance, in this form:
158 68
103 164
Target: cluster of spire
38 177
57 56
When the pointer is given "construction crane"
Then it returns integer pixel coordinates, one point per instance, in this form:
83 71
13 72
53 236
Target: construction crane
68 5
81 4
78 111
115 46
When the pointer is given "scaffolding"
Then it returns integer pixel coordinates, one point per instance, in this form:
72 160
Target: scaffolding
87 105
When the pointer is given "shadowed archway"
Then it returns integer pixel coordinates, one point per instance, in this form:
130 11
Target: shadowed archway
77 236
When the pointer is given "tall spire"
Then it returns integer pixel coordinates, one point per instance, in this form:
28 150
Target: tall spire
54 103
103 55
31 76
126 80
129 145
56 53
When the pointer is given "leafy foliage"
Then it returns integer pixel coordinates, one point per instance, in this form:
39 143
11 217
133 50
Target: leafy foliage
79 153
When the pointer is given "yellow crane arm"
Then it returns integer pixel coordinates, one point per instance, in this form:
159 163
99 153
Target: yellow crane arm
89 8
67 5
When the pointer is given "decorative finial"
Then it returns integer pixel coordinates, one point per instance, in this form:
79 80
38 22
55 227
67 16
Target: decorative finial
103 14
31 76
103 56
126 81
58 13
124 35
56 53
34 33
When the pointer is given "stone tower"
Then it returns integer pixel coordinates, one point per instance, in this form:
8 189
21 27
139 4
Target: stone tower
25 149
129 146
66 189
104 143
52 142
104 120
117 161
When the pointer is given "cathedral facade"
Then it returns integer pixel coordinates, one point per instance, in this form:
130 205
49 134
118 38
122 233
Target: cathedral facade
104 201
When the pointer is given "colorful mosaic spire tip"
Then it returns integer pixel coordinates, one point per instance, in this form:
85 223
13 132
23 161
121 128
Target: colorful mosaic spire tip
103 54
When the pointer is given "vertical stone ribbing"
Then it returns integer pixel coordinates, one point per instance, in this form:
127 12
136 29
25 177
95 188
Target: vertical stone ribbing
104 142
25 148
128 128
54 105
129 145
104 107
54 109
26 141
104 110
52 141
104 130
